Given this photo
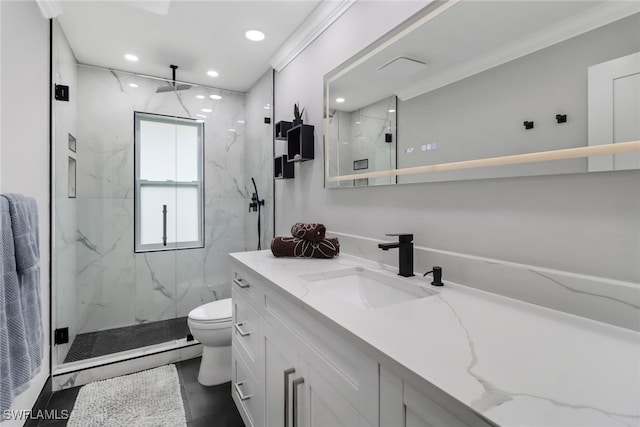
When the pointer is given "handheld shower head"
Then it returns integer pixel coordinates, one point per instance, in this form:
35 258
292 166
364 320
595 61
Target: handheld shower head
255 206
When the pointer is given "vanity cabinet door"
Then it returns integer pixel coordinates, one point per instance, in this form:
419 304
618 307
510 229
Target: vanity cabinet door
293 384
281 368
325 406
401 404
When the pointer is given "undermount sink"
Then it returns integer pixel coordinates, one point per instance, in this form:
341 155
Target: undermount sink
365 289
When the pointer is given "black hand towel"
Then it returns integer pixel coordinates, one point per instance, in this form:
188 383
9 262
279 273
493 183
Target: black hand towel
302 248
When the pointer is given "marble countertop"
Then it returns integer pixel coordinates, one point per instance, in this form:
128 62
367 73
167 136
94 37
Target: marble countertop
513 362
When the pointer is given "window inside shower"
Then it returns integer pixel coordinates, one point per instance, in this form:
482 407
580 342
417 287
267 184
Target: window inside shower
168 182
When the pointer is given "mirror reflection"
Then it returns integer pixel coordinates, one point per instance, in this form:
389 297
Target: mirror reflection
365 141
521 93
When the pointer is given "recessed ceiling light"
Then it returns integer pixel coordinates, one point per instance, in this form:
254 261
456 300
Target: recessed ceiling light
212 73
206 110
254 35
266 107
232 130
133 85
358 123
392 111
241 122
215 97
339 100
200 96
130 57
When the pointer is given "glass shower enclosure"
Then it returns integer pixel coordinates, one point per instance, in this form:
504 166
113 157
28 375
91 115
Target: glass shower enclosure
150 196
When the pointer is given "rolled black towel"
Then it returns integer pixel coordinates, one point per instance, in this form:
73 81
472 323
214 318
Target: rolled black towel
302 248
309 231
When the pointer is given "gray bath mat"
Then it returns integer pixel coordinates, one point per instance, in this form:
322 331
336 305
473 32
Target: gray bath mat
145 399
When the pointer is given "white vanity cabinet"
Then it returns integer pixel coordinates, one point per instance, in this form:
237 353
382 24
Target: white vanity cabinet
404 405
290 370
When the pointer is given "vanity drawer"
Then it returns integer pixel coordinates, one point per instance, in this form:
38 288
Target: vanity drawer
245 390
247 286
246 330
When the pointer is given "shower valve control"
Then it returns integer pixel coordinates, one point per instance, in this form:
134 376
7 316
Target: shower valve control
253 206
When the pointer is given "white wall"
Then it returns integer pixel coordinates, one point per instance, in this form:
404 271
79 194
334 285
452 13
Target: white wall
586 223
24 139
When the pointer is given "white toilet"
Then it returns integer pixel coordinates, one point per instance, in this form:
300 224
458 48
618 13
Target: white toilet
211 325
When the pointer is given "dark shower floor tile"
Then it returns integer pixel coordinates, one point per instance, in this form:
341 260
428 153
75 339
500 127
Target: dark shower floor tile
94 344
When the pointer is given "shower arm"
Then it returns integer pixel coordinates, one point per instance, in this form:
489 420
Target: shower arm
173 74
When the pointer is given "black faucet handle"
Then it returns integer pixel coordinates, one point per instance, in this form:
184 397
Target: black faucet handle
402 237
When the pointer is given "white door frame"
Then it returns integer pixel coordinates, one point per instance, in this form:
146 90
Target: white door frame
600 104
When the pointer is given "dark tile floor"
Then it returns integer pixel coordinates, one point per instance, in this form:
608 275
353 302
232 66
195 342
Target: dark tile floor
94 344
203 406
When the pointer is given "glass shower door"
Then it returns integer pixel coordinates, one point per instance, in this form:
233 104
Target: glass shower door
171 197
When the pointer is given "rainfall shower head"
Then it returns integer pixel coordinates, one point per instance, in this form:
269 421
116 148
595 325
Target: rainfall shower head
172 86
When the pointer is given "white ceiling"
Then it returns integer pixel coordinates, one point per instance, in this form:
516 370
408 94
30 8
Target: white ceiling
195 35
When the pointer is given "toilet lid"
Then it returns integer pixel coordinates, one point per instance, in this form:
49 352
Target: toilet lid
213 311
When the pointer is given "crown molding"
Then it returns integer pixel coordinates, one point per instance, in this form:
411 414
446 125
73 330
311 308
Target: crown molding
589 20
321 18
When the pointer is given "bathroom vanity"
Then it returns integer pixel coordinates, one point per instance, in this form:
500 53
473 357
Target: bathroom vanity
346 342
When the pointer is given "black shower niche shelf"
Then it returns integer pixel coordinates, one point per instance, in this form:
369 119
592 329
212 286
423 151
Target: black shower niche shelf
282 169
282 128
300 143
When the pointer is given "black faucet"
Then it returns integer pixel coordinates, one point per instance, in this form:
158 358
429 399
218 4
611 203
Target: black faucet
405 254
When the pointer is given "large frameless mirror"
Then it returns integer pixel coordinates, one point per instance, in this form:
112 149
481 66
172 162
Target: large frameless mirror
533 88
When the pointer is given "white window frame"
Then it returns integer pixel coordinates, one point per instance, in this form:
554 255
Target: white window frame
139 183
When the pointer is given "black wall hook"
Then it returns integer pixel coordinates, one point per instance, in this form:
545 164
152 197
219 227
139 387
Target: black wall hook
528 125
561 118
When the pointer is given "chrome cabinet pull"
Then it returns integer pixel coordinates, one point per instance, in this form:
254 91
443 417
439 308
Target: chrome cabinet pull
239 283
240 331
287 373
296 383
241 395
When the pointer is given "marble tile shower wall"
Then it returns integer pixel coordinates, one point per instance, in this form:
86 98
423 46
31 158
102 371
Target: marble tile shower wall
115 286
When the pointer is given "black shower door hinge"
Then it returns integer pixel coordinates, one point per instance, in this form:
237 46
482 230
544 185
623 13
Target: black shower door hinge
61 336
62 93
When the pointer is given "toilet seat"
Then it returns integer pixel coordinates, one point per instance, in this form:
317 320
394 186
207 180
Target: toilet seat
212 313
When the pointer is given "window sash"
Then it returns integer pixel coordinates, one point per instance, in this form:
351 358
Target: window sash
141 183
